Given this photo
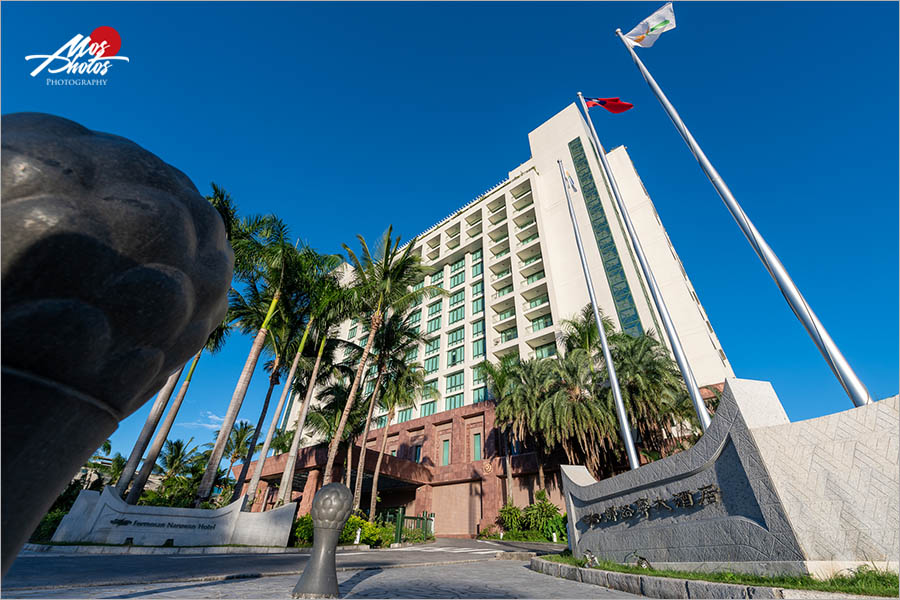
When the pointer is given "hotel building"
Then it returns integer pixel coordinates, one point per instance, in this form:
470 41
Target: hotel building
510 265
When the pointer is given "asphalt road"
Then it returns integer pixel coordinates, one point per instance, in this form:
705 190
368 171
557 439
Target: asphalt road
45 570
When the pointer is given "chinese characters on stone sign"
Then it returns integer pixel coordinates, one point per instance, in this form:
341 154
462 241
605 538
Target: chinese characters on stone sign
641 507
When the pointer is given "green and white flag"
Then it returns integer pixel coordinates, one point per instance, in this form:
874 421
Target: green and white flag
652 27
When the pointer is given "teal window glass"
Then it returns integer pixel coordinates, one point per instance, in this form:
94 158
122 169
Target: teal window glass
455 381
503 273
476 446
432 346
415 317
478 348
458 298
477 289
354 321
530 238
477 375
454 401
509 312
536 277
477 269
545 351
416 288
477 306
370 387
435 308
541 323
455 337
479 395
427 409
615 274
504 290
437 277
417 453
538 301
412 354
457 314
352 333
404 415
478 328
509 334
502 253
457 279
476 255
456 356
531 260
379 422
458 265
432 364
445 453
433 325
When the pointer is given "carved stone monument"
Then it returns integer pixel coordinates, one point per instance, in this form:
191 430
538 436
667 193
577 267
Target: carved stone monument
330 511
755 494
114 271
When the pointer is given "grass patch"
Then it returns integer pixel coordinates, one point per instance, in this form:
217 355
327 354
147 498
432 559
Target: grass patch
865 580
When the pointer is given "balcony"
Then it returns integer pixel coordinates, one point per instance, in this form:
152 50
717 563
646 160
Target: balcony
498 217
434 255
501 253
531 265
540 324
504 316
501 275
537 306
524 201
508 289
506 336
527 240
526 225
533 278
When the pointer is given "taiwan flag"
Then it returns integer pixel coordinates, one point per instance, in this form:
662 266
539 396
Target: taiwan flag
613 105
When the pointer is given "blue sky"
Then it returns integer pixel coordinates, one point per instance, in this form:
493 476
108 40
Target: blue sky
344 118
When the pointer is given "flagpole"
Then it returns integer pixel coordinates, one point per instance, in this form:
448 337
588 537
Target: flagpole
624 427
836 361
668 325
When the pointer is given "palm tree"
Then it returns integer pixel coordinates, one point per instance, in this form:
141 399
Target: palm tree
581 330
281 442
262 255
405 383
518 411
237 444
501 383
393 342
176 459
381 283
572 415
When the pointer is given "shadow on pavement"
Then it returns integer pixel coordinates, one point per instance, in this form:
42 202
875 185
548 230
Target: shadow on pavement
180 588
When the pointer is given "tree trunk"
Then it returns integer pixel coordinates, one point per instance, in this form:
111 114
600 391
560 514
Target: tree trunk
287 478
261 463
162 399
349 464
141 480
378 468
509 496
273 381
332 447
357 492
540 461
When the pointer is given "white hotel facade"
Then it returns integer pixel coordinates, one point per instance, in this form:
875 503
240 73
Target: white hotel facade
509 262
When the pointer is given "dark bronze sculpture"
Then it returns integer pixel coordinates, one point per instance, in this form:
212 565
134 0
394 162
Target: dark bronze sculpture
330 511
114 271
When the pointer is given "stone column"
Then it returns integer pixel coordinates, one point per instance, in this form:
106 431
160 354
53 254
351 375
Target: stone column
423 499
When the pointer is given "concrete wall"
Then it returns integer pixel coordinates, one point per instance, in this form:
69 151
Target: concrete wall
106 519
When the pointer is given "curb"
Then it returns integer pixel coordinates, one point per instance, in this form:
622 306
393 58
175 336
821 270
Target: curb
50 550
655 587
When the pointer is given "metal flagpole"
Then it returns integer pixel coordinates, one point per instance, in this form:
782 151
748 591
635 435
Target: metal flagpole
839 365
668 325
624 427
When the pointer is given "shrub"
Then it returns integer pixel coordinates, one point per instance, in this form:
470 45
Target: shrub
539 515
557 525
47 527
302 532
416 536
511 517
489 533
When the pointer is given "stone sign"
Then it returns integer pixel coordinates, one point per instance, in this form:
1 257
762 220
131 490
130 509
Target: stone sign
756 493
106 518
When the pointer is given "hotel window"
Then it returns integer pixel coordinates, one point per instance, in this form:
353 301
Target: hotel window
478 306
509 334
455 381
412 354
417 453
541 323
478 328
455 337
432 364
370 387
476 255
457 279
434 324
430 387
457 314
415 317
437 277
458 265
454 401
477 375
415 288
477 289
504 290
432 346
530 238
476 446
456 356
538 301
404 415
509 312
352 333
458 298
445 453
354 321
477 269
380 422
427 409
479 395
394 452
545 351
478 348
537 276
435 308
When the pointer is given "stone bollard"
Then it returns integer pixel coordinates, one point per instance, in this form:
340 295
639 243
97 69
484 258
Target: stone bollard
330 510
114 272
